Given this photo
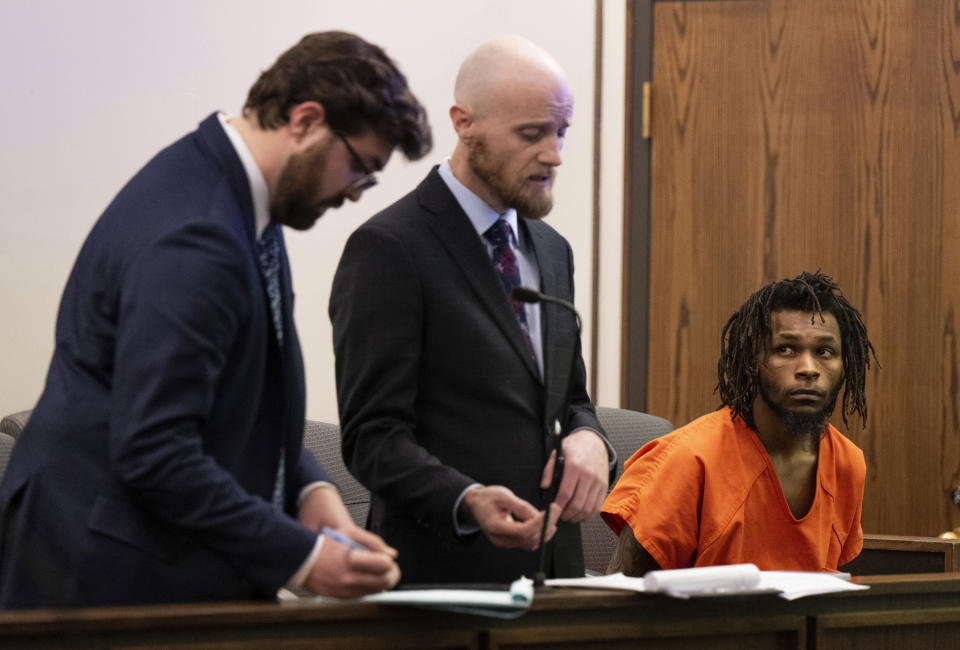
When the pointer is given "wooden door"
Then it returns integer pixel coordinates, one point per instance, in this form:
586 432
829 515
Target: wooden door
804 135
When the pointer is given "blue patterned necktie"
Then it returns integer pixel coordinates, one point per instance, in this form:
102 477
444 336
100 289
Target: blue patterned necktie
268 249
505 261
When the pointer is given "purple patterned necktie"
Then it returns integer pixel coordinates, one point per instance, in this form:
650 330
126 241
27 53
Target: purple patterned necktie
505 261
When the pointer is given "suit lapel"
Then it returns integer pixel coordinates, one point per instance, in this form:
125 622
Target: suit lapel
555 321
212 138
458 237
290 372
291 368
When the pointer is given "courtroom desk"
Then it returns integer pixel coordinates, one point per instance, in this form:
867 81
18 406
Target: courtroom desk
916 611
889 554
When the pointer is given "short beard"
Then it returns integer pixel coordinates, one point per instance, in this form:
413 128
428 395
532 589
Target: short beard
294 202
491 173
800 424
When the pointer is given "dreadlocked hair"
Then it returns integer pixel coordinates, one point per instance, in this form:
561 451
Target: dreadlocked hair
745 337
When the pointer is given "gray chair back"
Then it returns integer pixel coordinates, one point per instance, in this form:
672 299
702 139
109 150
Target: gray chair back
627 431
13 424
323 439
6 446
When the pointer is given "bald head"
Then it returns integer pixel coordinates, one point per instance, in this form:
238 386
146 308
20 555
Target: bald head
513 106
502 67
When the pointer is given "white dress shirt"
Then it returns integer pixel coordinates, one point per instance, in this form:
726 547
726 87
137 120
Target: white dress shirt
260 194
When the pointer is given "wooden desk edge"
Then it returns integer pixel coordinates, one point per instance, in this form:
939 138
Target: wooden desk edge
44 623
908 542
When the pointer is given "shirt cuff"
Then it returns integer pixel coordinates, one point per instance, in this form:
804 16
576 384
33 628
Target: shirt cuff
611 452
296 582
464 529
310 487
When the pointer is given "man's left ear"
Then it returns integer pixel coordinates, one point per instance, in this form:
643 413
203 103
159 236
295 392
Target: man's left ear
305 119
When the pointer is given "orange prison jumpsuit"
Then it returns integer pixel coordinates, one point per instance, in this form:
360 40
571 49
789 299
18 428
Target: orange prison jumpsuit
708 494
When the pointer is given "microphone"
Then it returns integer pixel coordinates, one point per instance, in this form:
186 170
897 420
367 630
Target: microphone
527 295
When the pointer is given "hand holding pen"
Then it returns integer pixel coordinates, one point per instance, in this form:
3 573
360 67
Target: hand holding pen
346 568
343 539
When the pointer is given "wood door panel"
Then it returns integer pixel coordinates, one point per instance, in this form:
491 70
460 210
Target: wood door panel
822 134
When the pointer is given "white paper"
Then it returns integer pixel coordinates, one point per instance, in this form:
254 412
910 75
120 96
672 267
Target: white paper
612 581
509 603
520 595
797 584
708 579
789 585
697 580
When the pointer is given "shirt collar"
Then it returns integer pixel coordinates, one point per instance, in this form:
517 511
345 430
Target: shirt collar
481 215
259 191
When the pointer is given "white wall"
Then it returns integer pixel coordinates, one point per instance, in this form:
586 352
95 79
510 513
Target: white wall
612 125
92 89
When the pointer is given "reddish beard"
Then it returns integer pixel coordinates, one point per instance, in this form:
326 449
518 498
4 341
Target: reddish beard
531 203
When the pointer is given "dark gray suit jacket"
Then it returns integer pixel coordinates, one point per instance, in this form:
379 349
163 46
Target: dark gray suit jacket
437 389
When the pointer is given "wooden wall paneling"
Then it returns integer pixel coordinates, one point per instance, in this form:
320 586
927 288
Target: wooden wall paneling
792 136
893 164
706 246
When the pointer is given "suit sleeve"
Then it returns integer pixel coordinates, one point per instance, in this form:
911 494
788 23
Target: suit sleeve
309 470
376 311
581 413
182 303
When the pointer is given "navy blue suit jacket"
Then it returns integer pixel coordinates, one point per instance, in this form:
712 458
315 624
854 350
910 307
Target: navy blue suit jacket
437 389
146 469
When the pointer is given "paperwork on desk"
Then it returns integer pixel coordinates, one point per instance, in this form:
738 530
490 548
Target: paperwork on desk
730 580
502 603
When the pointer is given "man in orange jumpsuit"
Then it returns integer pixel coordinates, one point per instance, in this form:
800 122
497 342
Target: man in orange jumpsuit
766 479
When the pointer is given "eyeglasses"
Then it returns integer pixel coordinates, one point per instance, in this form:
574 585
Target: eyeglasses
366 181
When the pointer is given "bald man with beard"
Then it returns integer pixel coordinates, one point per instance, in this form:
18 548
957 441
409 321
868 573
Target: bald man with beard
449 390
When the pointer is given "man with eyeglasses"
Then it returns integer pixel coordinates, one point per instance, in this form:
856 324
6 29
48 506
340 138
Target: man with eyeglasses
164 461
368 179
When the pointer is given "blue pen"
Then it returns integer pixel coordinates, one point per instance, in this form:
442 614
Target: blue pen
334 535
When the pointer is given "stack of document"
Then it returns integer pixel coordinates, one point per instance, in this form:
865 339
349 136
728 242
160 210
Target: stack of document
720 581
797 584
499 603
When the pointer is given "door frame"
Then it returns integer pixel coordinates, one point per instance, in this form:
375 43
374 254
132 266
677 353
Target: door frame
636 210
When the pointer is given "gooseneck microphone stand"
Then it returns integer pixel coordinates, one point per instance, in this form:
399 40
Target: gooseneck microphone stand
523 294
